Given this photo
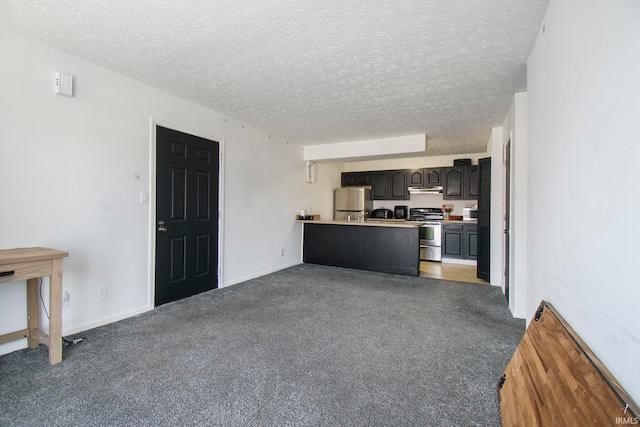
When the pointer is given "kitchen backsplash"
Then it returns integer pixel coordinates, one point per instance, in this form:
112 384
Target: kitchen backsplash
424 201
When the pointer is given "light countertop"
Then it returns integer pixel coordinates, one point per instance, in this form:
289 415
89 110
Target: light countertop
368 223
375 222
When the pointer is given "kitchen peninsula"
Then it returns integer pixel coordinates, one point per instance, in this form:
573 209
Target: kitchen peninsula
383 246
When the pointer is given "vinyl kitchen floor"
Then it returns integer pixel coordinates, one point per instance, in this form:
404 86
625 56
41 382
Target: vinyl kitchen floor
449 271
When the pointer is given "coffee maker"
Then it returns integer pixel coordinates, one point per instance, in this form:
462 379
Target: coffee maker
400 212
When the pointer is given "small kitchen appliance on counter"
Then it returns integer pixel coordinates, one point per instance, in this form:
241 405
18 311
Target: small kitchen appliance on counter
400 212
470 213
430 232
382 213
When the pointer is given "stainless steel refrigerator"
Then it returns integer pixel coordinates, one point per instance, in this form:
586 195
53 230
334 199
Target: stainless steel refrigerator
352 203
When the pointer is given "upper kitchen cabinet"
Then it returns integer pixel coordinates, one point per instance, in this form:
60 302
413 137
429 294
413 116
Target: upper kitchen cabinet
433 176
453 183
416 177
471 182
460 182
425 177
399 183
380 185
355 179
390 185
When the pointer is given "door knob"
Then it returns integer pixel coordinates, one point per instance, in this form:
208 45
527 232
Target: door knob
506 231
162 227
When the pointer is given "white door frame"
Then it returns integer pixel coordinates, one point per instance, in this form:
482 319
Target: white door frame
153 122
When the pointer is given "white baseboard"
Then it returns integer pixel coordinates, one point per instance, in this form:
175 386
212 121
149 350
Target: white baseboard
260 274
21 344
12 346
105 320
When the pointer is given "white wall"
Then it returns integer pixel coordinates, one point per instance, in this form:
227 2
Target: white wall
319 194
584 179
515 128
410 162
68 182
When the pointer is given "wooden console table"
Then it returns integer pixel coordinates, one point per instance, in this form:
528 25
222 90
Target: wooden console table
30 264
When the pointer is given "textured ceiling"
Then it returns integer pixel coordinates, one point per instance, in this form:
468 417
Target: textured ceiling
311 71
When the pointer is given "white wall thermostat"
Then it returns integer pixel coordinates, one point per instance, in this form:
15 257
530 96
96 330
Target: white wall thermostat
64 84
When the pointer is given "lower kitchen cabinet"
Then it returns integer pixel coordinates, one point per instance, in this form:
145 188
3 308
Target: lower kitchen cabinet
452 240
471 241
384 248
460 241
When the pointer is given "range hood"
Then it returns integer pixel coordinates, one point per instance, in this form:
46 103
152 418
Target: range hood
434 189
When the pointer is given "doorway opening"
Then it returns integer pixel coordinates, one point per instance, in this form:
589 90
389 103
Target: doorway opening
507 218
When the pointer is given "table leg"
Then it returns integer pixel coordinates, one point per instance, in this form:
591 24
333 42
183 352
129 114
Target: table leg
55 313
32 311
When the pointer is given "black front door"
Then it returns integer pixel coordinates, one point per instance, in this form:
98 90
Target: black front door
186 215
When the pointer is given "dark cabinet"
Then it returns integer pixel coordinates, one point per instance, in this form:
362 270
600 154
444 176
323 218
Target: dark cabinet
460 182
380 185
399 183
453 183
471 241
390 185
417 177
425 177
355 179
433 176
471 182
460 241
452 241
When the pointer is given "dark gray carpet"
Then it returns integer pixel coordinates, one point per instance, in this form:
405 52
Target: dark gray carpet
309 345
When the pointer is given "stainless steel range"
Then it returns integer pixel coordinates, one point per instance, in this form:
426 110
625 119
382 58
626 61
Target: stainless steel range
430 232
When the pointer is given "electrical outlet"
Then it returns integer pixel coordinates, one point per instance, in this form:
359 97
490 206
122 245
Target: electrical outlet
65 299
281 252
102 293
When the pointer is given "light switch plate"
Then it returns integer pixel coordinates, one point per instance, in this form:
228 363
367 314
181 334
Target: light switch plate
144 197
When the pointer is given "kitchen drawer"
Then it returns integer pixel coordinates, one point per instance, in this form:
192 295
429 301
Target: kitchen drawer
24 270
452 226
